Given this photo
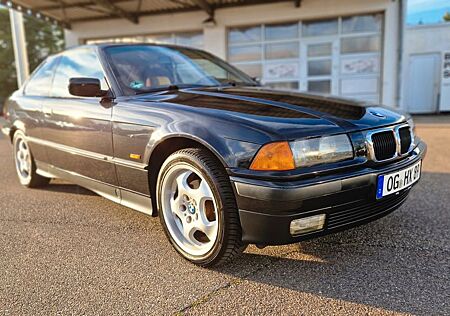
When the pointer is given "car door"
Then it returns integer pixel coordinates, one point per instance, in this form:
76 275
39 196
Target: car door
77 129
29 105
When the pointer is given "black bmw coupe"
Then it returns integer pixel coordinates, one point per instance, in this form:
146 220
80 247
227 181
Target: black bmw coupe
180 134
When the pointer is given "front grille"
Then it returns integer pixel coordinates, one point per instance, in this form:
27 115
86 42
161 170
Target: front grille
344 215
384 145
405 139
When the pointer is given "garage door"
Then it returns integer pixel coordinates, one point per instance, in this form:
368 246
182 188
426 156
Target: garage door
340 56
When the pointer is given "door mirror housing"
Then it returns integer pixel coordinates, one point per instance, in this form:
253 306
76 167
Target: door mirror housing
86 87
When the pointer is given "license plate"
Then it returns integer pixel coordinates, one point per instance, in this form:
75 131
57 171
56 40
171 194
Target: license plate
396 181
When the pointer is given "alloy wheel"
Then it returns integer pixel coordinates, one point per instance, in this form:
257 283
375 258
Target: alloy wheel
23 159
190 210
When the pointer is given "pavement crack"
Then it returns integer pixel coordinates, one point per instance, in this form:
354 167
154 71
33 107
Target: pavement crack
235 281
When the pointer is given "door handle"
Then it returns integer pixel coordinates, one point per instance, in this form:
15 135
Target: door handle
47 112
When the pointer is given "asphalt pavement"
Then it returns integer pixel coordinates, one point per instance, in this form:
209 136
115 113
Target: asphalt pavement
67 251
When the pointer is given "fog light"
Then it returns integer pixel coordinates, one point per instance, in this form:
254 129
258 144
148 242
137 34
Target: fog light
307 224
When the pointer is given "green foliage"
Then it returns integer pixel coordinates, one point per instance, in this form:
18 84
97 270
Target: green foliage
42 38
8 79
446 16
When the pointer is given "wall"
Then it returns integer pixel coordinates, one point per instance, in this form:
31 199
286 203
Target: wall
426 39
216 40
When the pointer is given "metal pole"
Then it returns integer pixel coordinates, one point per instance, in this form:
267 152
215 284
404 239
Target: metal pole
20 47
401 58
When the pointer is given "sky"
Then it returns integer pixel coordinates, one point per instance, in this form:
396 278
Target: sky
427 11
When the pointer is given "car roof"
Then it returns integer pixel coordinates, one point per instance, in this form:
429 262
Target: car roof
112 44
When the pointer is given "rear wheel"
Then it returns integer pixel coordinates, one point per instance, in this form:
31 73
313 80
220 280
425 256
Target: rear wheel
25 164
198 209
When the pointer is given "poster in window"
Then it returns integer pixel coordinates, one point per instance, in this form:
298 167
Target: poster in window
281 71
360 65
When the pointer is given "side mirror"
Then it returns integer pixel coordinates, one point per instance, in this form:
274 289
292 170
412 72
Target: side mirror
86 87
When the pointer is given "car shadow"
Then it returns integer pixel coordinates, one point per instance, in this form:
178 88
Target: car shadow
66 188
399 263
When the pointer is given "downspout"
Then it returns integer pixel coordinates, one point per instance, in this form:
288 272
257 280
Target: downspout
401 34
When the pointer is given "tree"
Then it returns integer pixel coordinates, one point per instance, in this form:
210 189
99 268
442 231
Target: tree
8 80
42 38
446 17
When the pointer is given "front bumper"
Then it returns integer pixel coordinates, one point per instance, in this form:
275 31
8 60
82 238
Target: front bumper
267 208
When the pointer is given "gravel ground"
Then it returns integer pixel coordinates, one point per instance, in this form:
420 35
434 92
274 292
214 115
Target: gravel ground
65 250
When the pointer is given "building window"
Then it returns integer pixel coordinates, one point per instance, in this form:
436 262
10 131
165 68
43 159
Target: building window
319 50
191 39
245 35
363 44
362 24
320 28
339 56
290 85
281 31
245 53
282 50
320 86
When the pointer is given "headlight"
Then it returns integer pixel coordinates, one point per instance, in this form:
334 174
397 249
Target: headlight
282 156
321 150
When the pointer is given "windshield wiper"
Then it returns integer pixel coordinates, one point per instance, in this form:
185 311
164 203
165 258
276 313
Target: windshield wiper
172 87
234 83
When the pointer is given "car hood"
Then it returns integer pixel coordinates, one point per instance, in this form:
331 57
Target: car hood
289 114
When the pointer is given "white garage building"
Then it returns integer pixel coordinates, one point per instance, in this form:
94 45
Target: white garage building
427 68
352 48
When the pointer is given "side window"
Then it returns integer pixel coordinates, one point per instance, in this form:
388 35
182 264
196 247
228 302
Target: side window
41 80
80 63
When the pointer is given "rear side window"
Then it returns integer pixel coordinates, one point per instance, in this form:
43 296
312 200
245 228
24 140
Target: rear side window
41 80
75 64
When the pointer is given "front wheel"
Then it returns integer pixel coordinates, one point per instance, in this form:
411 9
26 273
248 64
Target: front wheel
198 209
25 165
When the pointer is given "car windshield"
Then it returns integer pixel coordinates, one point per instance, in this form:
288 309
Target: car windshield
149 68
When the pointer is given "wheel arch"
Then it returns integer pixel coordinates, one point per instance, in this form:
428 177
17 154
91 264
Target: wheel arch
12 131
16 126
167 146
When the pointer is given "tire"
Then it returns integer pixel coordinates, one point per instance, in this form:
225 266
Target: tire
25 164
198 209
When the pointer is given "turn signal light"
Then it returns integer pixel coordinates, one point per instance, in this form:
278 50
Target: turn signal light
274 156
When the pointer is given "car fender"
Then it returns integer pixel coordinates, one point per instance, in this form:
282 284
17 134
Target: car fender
232 153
